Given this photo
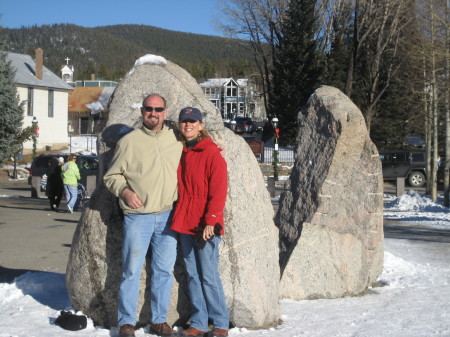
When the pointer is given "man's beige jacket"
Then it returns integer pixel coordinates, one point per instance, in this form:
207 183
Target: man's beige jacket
146 161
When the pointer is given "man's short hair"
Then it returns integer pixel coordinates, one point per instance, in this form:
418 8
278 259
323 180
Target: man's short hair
164 100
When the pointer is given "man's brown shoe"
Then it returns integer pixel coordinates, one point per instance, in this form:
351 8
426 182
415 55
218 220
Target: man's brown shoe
126 330
219 332
163 329
193 332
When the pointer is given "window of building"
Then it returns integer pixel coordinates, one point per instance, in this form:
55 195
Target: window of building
230 111
51 97
231 89
30 102
241 108
210 91
84 125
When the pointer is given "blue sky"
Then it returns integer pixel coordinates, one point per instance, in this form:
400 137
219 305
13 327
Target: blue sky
193 16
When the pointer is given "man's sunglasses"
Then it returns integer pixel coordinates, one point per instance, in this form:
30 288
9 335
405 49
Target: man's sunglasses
150 109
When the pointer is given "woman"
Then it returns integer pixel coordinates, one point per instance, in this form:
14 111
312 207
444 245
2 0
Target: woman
71 175
55 186
202 192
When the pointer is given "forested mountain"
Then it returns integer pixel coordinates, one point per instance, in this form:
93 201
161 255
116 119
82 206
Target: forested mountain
110 51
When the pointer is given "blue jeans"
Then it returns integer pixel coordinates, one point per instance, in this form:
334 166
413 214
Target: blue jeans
205 287
140 231
71 195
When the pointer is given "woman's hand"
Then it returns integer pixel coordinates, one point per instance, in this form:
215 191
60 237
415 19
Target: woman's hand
208 232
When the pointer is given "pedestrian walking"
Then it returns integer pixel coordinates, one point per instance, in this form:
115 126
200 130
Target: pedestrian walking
71 175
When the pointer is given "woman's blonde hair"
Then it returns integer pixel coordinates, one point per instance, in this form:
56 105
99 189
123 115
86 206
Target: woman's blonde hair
71 157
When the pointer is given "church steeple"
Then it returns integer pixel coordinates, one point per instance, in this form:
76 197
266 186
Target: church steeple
67 71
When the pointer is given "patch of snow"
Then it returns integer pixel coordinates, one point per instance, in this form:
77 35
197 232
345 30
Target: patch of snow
152 59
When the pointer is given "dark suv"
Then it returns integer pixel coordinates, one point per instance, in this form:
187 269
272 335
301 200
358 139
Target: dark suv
245 125
404 164
87 164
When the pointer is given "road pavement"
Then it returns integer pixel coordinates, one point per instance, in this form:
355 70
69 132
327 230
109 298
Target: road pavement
32 236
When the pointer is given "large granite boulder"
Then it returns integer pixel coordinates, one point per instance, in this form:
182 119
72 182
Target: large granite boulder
331 212
249 253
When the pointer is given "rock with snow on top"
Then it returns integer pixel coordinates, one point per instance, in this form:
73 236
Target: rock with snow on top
249 252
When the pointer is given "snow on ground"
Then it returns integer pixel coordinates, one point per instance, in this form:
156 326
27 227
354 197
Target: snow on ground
410 298
414 208
82 145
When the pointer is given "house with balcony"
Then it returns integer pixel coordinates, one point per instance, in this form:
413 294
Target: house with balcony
87 108
88 102
45 100
234 97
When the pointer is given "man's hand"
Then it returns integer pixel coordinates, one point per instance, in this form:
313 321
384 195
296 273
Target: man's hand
131 199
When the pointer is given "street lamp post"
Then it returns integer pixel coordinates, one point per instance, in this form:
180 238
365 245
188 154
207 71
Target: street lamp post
70 131
16 154
35 136
15 166
275 151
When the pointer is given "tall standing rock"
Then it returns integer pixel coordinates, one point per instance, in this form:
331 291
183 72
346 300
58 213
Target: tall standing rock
331 215
249 253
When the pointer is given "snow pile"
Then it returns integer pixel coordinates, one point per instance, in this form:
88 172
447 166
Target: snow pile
22 171
417 209
396 272
96 107
82 145
152 59
414 201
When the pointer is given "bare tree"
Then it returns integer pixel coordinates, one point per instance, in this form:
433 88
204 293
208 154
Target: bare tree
377 30
257 21
433 26
432 174
446 24
333 15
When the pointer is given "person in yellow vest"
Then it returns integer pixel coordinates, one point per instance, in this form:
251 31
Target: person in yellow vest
71 175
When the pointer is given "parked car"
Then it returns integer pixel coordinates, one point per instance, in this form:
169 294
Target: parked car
87 164
245 125
410 165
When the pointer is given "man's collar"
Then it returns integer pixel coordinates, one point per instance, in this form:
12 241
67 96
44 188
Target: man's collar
150 131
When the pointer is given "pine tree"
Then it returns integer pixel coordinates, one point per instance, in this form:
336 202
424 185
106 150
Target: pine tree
296 67
11 112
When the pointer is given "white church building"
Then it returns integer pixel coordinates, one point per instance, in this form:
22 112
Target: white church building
45 97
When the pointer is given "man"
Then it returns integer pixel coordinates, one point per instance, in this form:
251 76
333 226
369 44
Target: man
143 174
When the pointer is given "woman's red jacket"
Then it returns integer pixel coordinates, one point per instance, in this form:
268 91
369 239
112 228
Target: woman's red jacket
202 188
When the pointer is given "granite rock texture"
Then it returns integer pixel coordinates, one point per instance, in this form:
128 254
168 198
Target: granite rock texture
330 215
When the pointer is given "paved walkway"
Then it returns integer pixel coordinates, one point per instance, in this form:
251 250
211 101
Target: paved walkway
32 236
